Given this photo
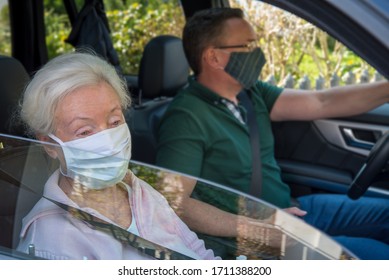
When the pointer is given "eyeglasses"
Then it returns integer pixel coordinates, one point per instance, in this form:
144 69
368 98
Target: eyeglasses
249 46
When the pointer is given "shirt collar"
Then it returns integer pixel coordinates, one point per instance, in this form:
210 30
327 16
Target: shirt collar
203 92
212 97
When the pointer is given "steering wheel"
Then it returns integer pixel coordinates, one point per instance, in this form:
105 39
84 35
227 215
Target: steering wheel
375 162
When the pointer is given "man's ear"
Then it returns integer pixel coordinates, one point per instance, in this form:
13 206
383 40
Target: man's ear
50 150
212 59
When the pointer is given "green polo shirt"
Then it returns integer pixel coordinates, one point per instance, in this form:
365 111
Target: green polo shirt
199 136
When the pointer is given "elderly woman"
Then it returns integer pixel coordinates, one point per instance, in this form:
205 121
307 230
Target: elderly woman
77 100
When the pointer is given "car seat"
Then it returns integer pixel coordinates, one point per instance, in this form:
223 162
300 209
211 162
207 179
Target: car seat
19 161
24 170
13 79
163 71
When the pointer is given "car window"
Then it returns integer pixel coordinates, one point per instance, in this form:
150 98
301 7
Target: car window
135 23
25 168
300 55
132 24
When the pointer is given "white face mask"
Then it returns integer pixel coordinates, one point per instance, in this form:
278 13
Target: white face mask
99 160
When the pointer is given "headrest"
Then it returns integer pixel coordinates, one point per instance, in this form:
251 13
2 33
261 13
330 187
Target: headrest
13 79
163 67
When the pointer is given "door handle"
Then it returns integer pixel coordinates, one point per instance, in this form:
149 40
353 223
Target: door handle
353 141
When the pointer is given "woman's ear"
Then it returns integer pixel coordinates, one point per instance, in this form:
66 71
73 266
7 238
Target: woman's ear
50 150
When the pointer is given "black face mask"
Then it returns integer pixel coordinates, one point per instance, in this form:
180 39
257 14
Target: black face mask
245 67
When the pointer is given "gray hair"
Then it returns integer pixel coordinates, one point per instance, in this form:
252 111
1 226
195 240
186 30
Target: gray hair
61 76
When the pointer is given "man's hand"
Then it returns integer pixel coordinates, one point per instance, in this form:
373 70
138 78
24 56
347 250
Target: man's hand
295 211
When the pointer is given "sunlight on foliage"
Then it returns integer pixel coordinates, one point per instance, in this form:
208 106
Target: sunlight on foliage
294 46
132 22
5 33
133 27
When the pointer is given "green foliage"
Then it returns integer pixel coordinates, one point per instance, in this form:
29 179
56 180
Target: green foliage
131 28
57 31
168 184
58 7
134 27
291 45
5 34
294 46
149 175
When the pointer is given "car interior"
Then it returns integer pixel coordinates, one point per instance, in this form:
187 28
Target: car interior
309 162
163 61
24 168
13 80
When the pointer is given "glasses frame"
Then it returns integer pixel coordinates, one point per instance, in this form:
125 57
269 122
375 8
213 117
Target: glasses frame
249 46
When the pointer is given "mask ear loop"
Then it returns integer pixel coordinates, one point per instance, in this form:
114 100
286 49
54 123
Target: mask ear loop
62 144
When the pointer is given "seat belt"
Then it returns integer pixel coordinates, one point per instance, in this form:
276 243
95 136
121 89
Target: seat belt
142 245
256 174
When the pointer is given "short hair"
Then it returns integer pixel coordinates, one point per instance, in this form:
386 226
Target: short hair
203 29
61 76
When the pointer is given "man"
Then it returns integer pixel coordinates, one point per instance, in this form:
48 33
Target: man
204 133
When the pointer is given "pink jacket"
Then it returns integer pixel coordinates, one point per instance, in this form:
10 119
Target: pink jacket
57 235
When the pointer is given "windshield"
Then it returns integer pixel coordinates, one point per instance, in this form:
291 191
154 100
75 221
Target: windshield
46 214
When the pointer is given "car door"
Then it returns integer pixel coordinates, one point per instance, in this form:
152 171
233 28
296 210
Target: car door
28 203
325 155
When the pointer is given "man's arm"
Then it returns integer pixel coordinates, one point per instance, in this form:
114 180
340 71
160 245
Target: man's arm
199 216
343 101
205 218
